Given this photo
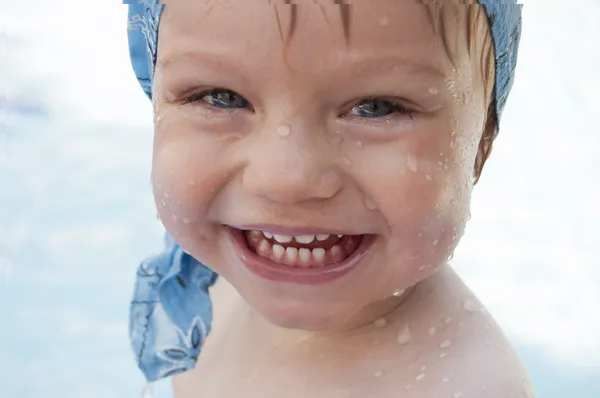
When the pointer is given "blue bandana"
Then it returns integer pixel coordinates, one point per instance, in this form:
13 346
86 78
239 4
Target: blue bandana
171 311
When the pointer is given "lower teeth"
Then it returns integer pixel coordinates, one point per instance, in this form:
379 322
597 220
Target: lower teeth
302 257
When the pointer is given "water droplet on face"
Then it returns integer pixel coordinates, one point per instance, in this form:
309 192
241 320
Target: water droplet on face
457 395
380 322
378 374
428 177
174 216
422 268
469 306
166 194
435 242
336 139
448 320
423 368
411 163
433 91
445 344
420 377
431 331
358 143
347 161
384 21
398 293
404 336
443 355
163 203
185 220
465 98
370 204
445 380
284 130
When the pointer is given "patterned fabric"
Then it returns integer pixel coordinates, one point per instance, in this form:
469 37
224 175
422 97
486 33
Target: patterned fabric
171 311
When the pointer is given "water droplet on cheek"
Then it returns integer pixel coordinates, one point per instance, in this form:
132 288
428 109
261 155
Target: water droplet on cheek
347 161
337 138
433 91
378 374
465 98
469 306
369 204
384 21
445 344
411 163
379 323
404 336
358 143
283 130
398 292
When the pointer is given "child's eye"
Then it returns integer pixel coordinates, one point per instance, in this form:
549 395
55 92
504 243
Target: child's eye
219 98
378 108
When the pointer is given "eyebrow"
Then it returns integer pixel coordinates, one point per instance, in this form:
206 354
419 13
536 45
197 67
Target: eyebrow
363 68
394 64
217 62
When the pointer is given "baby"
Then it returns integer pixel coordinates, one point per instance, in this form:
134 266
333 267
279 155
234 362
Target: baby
319 157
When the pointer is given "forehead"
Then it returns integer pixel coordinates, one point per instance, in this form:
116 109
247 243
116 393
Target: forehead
258 30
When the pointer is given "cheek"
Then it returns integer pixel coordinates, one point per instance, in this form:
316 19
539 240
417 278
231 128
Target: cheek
423 189
186 177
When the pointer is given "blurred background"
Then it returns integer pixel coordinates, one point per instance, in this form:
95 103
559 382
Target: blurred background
77 216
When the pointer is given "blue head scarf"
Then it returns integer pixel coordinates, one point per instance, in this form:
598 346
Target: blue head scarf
171 311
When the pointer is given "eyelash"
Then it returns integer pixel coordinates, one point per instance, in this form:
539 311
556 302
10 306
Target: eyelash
394 106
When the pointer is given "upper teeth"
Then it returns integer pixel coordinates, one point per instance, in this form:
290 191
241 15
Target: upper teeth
304 239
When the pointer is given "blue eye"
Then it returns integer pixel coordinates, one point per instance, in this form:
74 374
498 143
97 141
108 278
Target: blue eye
377 108
220 98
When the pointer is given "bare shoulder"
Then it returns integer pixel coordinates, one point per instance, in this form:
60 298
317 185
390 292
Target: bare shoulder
465 354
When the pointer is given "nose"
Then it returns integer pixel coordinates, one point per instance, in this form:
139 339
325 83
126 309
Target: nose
287 165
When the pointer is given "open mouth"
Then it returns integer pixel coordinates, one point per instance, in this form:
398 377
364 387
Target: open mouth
304 258
304 251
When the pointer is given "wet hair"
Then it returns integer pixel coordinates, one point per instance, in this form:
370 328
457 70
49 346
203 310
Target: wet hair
479 43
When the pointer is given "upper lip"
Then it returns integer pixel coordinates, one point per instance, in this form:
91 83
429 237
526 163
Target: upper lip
293 231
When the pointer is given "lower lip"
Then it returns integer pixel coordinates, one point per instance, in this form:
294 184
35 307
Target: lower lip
267 269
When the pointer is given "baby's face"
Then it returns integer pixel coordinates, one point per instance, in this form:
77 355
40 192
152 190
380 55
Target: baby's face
373 138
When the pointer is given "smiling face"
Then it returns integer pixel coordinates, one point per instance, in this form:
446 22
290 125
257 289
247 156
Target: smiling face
372 136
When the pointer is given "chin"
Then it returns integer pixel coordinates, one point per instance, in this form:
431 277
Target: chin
308 317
